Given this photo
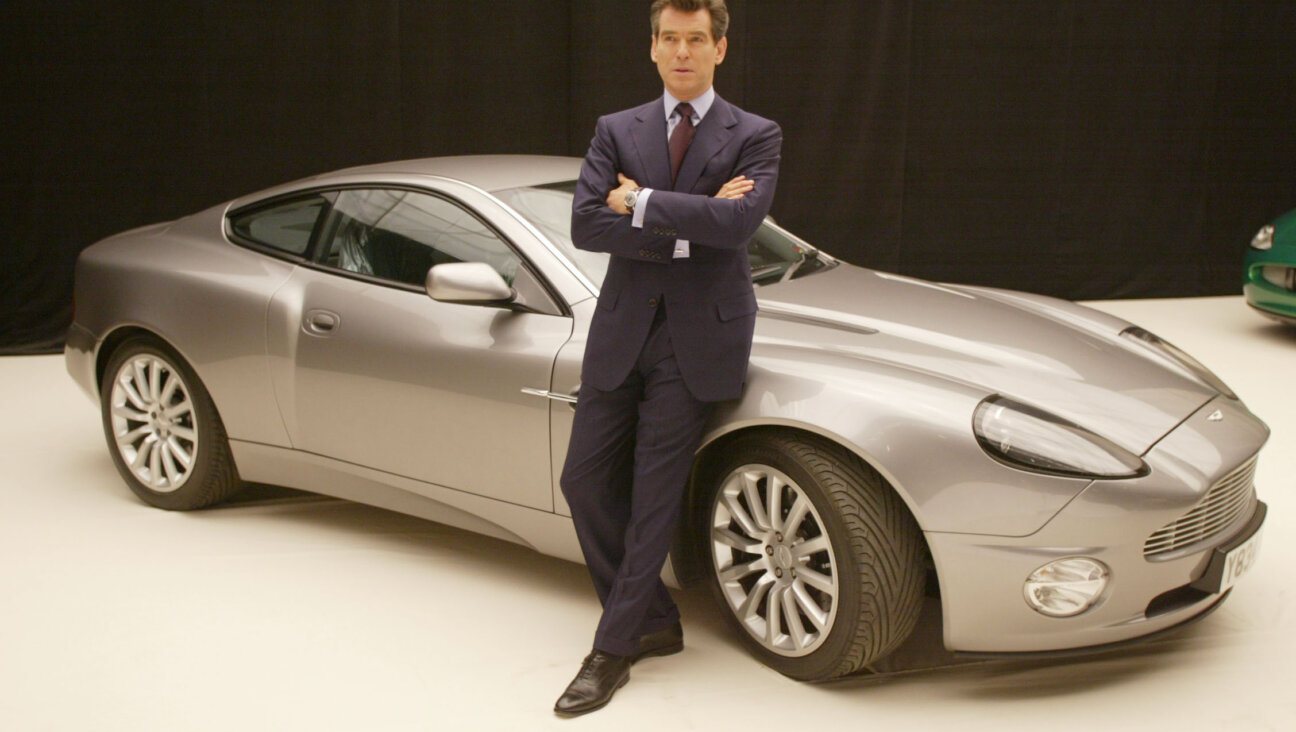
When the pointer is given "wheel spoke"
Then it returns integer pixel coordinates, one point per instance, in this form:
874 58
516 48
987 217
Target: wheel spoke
155 463
129 389
774 500
795 628
774 614
728 538
170 383
139 380
747 609
173 473
177 410
810 546
128 439
141 454
738 571
807 604
154 380
125 412
740 514
754 500
177 450
800 509
820 582
184 433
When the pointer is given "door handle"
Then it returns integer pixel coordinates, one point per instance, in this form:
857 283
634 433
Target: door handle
569 400
321 322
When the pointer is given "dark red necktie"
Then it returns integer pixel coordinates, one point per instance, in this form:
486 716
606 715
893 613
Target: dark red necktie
681 137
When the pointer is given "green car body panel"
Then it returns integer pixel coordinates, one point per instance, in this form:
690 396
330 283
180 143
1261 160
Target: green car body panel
1268 279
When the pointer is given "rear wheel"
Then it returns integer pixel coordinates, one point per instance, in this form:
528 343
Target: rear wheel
812 556
163 431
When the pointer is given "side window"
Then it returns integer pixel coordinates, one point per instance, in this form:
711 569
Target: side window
399 235
284 226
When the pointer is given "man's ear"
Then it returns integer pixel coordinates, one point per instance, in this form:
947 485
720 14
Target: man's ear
721 47
652 50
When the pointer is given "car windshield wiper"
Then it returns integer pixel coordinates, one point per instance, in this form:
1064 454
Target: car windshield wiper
764 271
807 255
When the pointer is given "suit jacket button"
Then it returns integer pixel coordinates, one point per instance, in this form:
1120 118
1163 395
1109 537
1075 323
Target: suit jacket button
652 302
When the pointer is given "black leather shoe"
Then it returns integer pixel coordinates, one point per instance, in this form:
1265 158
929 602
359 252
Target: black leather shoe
600 676
662 643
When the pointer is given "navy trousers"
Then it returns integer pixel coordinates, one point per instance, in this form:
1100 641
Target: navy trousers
627 464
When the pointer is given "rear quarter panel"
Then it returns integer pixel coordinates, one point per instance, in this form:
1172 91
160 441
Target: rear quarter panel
206 297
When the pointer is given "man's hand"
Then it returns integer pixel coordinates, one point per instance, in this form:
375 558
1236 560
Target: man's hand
616 199
736 188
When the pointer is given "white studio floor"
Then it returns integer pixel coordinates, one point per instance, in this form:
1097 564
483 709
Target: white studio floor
292 612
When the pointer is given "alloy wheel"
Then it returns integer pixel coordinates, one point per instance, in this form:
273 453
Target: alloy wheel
773 560
153 425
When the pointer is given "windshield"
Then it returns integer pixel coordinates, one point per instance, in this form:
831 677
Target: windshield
775 255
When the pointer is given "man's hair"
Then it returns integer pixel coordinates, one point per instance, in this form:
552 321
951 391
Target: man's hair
719 14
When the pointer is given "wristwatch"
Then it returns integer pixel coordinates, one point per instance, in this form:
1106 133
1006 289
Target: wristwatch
631 198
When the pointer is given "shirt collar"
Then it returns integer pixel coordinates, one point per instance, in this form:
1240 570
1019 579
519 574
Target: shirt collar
701 105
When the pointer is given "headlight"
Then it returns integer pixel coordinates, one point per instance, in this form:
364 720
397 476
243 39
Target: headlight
1030 438
1168 351
1263 239
1066 587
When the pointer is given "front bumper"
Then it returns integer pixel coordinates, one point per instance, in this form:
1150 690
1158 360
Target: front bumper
981 577
1269 283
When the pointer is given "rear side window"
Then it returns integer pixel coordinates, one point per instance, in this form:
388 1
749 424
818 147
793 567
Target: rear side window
285 226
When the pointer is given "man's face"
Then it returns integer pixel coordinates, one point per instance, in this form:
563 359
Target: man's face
685 53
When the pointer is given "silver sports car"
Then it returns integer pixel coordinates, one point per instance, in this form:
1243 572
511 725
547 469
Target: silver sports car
409 335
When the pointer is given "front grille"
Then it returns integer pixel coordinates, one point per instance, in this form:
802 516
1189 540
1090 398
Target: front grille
1224 502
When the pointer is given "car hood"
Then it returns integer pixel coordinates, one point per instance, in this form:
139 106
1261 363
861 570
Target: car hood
1056 355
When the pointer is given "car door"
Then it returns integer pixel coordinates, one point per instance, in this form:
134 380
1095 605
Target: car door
370 370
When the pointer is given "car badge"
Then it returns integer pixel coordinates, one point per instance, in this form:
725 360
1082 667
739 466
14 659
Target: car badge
1216 416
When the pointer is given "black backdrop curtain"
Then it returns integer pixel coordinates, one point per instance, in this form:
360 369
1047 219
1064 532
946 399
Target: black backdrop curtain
1079 148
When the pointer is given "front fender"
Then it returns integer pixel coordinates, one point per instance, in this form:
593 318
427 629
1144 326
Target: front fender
914 428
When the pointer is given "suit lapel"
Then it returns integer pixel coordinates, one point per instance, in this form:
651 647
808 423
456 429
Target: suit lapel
715 131
649 135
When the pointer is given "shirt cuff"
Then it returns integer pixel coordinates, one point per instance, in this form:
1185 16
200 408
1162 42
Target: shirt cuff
641 205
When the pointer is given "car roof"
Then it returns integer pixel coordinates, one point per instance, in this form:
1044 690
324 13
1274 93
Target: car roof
488 172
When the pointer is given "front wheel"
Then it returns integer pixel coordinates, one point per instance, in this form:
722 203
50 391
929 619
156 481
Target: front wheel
163 431
812 556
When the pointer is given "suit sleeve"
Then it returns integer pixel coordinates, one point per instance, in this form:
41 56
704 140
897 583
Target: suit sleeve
718 222
597 228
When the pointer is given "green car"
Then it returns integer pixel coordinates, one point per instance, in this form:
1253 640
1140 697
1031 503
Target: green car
1270 284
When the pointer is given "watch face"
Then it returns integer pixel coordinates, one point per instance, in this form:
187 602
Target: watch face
631 197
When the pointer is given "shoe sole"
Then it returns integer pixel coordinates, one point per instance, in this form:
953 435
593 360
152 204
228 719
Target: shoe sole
596 707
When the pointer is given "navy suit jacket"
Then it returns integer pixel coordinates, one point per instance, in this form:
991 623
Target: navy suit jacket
709 301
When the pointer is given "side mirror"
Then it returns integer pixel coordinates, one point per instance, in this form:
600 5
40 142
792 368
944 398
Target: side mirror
468 282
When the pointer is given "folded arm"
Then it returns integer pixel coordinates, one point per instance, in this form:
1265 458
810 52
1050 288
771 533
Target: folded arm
597 227
725 221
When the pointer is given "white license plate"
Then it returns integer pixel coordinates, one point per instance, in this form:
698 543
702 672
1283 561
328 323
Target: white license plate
1240 560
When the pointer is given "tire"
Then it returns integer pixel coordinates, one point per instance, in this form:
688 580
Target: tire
163 432
820 576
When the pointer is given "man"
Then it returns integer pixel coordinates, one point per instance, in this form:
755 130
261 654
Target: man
673 190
